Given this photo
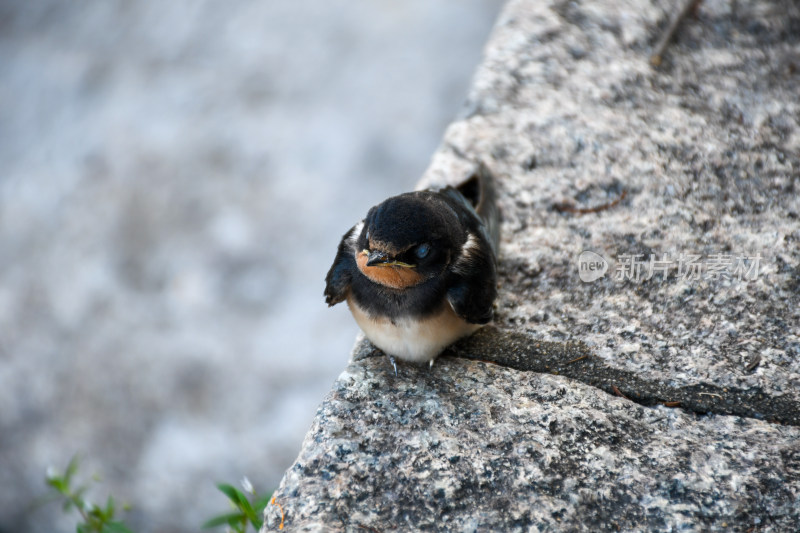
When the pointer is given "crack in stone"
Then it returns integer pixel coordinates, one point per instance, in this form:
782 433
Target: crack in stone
573 359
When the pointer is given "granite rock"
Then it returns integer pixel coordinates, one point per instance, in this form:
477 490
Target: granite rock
683 182
473 446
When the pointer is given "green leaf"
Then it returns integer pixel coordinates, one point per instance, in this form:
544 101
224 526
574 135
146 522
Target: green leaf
239 500
110 507
95 512
72 467
248 510
261 503
57 482
115 527
93 519
233 494
77 497
224 519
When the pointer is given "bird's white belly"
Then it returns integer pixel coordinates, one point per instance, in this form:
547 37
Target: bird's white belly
413 340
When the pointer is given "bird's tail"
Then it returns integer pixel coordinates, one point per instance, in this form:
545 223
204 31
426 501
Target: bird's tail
480 190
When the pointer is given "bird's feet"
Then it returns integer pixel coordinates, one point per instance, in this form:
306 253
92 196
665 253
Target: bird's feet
394 364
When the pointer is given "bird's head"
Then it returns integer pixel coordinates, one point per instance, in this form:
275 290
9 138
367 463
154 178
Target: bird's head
407 240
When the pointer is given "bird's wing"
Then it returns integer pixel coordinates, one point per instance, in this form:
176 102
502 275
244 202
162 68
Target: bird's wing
478 194
340 275
473 284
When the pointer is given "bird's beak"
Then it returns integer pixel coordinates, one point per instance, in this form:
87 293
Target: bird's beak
377 258
380 259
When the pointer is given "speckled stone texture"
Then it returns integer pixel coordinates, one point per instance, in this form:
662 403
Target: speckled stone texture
478 447
700 158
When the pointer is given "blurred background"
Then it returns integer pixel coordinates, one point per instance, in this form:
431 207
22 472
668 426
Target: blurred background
174 180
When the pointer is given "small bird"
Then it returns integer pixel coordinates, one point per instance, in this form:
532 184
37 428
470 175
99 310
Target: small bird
419 272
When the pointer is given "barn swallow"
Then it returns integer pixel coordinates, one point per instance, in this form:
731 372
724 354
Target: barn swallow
419 272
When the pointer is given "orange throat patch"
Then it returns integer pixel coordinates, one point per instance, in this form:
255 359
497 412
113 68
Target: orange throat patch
396 277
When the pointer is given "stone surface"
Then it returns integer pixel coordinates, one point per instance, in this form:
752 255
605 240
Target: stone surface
478 447
697 162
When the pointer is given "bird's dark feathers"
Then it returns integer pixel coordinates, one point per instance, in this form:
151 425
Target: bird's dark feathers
461 267
340 276
473 285
480 193
413 218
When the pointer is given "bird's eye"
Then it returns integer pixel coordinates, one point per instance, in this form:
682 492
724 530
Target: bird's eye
422 250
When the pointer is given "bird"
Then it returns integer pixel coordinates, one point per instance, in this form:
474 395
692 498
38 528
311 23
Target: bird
419 272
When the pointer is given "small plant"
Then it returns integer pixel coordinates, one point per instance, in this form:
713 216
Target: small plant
247 509
94 519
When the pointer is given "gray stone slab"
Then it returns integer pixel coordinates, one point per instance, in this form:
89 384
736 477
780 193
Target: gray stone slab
472 446
708 152
696 163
